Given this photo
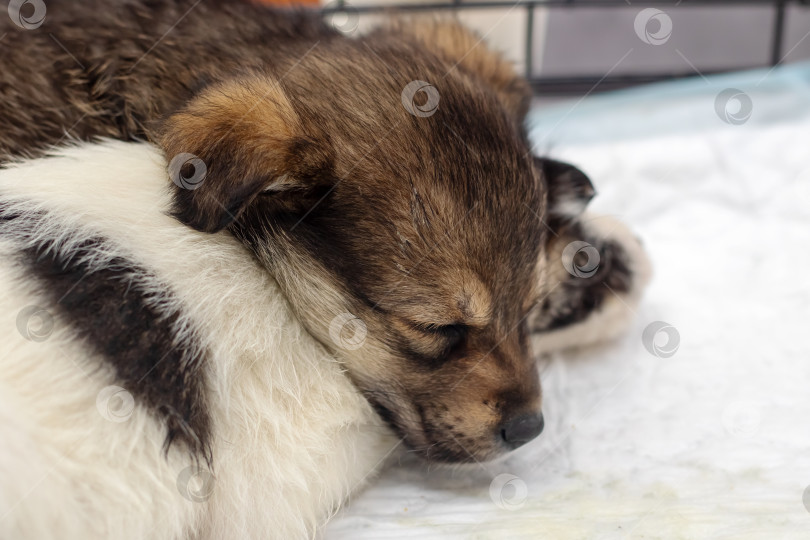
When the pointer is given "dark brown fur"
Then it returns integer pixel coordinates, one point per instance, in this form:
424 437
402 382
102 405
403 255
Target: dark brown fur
429 229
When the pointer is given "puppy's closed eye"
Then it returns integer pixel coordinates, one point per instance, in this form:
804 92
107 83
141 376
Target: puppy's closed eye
451 333
434 341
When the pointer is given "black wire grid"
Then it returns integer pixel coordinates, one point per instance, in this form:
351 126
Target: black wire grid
581 84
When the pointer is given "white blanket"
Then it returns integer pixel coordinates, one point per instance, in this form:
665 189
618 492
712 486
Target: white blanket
712 442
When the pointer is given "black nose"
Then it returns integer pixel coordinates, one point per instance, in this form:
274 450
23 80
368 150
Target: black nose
521 429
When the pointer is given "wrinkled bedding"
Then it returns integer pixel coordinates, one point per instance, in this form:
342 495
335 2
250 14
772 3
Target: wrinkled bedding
712 441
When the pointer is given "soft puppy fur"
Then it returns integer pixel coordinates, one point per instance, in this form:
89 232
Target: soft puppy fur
84 424
119 323
416 210
384 183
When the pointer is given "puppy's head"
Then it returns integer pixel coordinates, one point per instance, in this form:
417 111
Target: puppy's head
392 193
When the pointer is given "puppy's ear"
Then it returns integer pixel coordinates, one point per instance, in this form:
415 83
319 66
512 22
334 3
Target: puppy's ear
569 191
235 141
466 51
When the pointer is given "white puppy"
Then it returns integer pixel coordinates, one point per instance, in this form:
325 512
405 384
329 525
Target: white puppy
153 380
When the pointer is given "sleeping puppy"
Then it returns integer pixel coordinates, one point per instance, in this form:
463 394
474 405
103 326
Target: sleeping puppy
384 184
154 382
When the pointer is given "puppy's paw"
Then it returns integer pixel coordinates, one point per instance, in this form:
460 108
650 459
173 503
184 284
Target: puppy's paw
596 272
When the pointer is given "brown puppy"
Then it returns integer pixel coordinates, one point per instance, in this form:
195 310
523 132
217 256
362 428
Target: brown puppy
385 181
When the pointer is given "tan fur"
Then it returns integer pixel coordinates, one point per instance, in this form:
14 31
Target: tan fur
250 139
469 52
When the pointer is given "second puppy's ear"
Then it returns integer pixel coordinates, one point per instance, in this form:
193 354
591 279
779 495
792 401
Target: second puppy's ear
234 141
569 190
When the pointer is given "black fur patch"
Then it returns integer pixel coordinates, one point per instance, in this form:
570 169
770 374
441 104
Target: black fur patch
132 329
583 296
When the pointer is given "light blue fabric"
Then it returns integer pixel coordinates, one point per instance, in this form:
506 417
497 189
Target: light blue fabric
672 107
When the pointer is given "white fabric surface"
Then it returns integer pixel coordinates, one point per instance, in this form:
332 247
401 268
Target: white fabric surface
713 442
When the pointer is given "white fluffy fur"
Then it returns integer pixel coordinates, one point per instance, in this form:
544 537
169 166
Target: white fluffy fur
291 436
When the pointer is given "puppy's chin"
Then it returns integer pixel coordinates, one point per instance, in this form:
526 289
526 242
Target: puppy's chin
450 453
435 446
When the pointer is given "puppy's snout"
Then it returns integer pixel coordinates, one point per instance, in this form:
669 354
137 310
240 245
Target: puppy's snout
520 429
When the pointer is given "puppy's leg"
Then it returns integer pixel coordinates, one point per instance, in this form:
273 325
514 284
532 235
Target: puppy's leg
596 272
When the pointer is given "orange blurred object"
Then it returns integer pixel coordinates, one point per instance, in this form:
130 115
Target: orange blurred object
288 2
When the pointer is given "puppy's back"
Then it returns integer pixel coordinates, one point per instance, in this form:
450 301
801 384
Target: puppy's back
102 68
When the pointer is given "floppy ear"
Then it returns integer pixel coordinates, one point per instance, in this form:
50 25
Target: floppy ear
235 141
465 50
569 191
